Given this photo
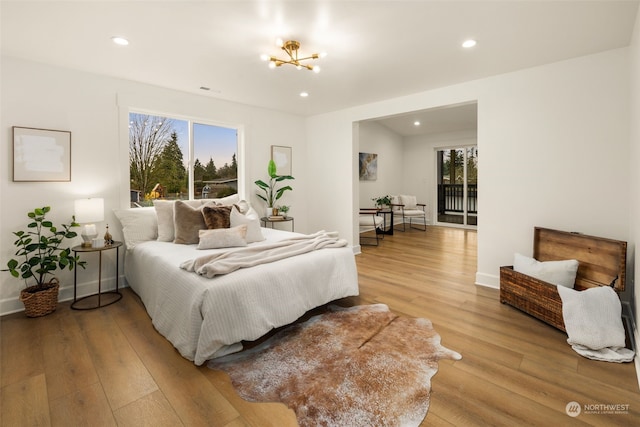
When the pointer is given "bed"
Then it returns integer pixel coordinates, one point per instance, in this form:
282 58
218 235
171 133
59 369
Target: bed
206 318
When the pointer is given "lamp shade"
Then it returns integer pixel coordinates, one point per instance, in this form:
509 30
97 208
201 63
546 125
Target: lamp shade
89 210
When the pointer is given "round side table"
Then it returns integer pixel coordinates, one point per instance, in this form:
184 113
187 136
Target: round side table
273 221
101 299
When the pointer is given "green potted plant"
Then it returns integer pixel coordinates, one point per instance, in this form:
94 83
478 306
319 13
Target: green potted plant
39 255
284 209
271 192
382 201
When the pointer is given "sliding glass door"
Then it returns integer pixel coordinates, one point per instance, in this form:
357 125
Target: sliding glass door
458 185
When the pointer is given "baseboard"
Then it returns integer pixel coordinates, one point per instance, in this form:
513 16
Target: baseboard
14 305
488 280
635 336
357 249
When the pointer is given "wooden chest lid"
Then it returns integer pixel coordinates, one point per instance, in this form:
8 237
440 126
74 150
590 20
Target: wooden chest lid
602 261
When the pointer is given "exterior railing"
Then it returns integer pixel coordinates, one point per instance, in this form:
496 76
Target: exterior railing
451 198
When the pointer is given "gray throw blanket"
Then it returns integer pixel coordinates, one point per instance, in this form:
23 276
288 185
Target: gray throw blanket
227 262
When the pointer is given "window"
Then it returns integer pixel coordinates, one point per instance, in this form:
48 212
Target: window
173 158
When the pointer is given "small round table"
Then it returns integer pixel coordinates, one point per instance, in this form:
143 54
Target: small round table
91 302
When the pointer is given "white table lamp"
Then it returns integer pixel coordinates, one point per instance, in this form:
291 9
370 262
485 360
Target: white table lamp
89 211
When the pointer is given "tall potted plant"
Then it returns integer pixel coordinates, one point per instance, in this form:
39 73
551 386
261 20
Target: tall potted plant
39 255
271 192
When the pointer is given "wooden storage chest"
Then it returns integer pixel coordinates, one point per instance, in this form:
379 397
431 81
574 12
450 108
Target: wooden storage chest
602 262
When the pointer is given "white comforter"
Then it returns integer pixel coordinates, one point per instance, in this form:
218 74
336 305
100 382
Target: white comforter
205 318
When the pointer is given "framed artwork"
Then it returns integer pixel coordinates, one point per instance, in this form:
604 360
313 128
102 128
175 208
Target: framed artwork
368 166
282 158
41 154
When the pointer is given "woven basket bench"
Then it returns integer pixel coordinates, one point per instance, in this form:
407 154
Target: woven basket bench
603 262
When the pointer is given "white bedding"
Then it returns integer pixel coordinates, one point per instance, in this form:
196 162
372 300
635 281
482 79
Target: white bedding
206 318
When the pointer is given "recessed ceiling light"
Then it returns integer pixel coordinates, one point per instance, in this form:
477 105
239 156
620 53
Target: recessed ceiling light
304 94
416 123
469 43
120 40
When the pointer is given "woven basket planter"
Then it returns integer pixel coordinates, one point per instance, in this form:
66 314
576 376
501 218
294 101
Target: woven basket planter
40 303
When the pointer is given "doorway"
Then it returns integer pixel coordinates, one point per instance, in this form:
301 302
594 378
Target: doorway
457 185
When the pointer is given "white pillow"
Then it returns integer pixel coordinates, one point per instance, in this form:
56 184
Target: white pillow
138 225
252 221
243 206
164 211
223 237
593 320
224 201
561 273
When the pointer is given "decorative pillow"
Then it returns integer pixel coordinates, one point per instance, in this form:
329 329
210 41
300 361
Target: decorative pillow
187 222
138 225
409 202
164 210
561 273
243 206
251 220
223 237
593 320
223 201
217 216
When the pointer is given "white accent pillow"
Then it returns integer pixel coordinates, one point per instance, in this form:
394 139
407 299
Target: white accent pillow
223 237
138 225
243 206
251 220
593 320
409 202
561 273
224 201
164 211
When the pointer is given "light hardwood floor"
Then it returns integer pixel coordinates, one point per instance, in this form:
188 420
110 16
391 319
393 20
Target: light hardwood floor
110 367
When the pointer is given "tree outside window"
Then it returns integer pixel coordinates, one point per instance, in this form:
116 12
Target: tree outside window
159 167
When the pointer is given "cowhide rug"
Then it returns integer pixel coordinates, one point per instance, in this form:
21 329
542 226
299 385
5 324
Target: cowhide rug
357 366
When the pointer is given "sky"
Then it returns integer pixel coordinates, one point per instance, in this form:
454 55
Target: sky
209 141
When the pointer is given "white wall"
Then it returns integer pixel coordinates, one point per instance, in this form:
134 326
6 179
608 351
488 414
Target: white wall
388 145
94 109
332 165
634 161
552 140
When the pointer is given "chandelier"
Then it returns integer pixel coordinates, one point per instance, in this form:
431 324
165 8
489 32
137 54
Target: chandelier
291 48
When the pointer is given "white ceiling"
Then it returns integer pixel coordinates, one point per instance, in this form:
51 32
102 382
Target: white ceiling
376 49
450 118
